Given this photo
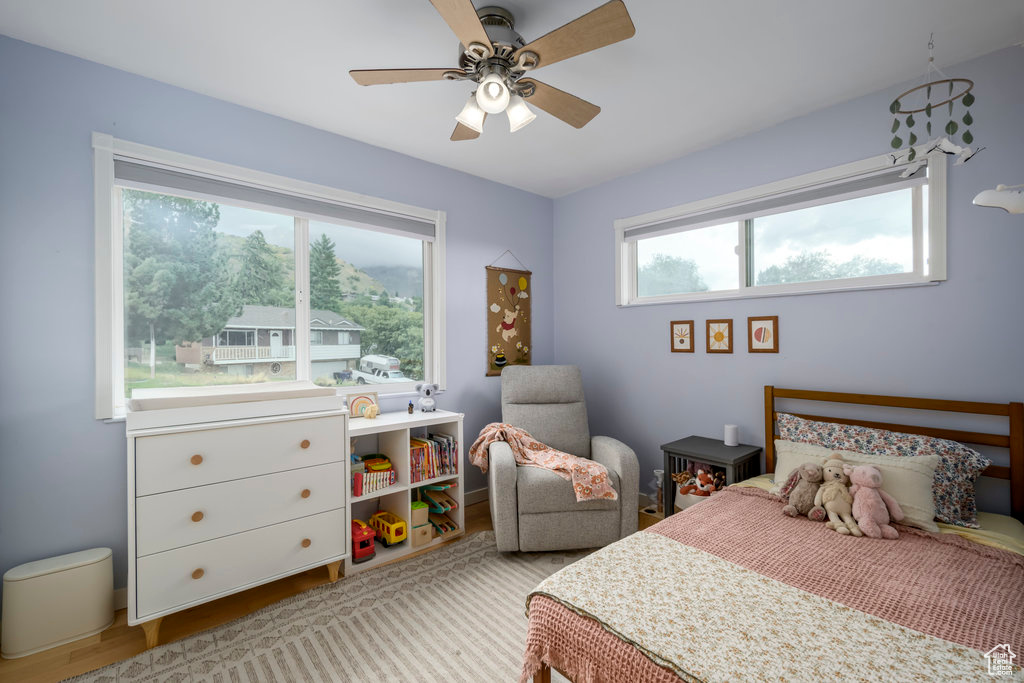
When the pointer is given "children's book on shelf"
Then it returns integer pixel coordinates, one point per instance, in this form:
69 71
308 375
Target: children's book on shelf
371 473
432 457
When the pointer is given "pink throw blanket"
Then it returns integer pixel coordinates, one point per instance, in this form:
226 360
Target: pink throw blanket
589 479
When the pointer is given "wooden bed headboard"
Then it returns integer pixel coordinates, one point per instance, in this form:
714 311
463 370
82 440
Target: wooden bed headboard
1013 440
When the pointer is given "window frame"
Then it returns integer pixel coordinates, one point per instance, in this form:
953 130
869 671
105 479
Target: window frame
932 236
227 334
109 275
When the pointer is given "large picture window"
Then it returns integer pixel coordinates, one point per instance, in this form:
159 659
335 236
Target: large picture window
857 226
216 275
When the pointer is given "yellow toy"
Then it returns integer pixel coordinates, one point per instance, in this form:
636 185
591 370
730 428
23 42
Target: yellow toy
390 528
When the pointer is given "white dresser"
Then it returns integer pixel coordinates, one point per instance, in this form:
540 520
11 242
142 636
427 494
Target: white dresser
227 496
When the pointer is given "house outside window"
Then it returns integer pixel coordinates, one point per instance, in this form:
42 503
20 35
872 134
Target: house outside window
862 225
220 275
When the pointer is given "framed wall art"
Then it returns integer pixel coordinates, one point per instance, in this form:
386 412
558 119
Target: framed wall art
719 337
763 334
681 336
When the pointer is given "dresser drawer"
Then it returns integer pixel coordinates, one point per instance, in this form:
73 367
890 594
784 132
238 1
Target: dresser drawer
177 577
170 520
175 461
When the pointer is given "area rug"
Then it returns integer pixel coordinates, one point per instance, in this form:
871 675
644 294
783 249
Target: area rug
454 614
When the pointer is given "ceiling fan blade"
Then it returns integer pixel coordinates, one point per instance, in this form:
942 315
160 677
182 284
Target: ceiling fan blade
461 17
607 24
569 108
384 76
462 132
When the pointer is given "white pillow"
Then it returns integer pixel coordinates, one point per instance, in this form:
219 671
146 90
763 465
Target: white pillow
908 479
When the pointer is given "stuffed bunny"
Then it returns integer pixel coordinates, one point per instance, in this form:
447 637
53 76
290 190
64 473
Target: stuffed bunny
836 498
801 496
872 507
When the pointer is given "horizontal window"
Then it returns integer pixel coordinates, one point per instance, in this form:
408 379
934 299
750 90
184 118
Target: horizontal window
236 338
856 226
217 275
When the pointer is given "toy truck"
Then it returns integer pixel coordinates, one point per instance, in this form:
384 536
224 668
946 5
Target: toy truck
362 542
390 528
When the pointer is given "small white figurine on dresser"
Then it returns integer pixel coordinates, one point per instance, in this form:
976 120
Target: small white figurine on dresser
426 402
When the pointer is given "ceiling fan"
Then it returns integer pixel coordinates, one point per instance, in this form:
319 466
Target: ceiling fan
497 59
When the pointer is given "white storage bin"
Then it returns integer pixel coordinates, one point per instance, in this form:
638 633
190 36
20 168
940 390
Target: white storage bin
56 600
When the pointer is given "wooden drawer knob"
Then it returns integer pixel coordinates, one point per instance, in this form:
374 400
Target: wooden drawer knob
305 443
305 493
198 574
196 459
197 516
306 543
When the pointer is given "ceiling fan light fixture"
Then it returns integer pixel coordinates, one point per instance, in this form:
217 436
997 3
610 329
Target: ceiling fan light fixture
492 96
472 116
519 115
494 56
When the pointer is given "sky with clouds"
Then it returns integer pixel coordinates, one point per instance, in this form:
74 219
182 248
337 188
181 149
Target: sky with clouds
360 247
877 226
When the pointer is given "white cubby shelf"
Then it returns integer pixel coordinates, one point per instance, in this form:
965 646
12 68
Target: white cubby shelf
389 434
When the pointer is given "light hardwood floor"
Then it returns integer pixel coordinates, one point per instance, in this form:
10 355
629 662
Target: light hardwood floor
122 641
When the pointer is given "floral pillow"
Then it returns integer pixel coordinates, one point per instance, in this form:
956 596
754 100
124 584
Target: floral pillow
959 466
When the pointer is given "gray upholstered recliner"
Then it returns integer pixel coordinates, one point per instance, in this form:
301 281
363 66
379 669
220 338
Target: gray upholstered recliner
535 509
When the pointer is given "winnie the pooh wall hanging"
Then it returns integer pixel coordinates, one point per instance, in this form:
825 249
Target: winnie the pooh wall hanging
508 318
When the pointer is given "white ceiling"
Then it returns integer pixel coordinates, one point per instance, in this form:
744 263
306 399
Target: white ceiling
696 73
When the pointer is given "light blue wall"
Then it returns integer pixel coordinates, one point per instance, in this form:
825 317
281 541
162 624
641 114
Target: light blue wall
960 339
62 474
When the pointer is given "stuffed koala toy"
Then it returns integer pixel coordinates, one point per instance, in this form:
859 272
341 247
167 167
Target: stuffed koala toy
426 401
801 496
835 497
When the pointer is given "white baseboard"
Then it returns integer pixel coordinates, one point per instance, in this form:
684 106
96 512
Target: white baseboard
120 598
477 496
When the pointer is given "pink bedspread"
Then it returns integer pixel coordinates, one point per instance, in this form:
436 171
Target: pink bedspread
580 648
941 585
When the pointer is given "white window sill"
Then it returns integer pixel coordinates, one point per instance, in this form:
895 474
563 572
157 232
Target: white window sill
120 417
772 291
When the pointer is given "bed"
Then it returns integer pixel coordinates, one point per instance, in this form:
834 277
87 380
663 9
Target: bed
731 589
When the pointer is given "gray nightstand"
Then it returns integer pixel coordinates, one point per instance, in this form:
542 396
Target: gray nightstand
739 462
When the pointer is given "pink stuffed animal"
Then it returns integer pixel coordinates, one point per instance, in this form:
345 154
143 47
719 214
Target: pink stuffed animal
872 507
